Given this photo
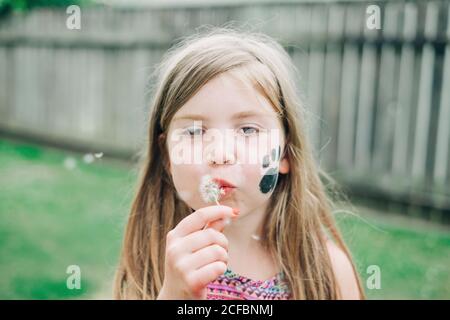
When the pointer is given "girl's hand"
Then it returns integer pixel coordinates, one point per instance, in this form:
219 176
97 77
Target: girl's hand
196 256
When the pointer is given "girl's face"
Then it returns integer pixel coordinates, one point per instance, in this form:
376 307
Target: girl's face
230 131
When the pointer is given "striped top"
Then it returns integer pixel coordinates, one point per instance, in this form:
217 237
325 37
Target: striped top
231 286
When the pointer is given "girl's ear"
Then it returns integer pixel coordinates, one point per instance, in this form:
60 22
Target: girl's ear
161 139
284 166
162 147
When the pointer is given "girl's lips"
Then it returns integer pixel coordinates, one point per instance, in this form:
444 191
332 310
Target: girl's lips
226 187
226 191
223 183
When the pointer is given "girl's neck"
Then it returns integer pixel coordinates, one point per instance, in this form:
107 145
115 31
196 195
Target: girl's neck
247 257
246 230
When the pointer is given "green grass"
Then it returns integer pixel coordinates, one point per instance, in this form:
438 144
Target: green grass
52 217
413 257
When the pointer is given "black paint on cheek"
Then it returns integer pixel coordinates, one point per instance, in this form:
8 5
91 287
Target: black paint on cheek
266 161
269 180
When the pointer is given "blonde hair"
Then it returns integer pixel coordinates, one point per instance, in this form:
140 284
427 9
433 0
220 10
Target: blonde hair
299 210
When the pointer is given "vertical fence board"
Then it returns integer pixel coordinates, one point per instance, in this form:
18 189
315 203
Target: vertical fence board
443 136
425 95
349 89
405 93
332 81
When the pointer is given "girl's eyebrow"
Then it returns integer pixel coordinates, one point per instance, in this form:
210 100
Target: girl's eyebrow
239 115
190 117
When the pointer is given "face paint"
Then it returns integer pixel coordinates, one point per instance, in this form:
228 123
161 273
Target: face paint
266 161
274 154
270 178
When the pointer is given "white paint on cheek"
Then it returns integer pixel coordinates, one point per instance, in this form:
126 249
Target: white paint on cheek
185 195
256 237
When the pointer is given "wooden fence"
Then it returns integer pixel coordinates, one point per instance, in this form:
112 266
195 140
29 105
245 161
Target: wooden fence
379 100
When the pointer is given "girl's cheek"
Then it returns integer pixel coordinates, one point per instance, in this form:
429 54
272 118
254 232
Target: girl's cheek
184 177
185 151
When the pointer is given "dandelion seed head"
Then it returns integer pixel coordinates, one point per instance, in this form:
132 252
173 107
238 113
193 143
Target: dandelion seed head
209 190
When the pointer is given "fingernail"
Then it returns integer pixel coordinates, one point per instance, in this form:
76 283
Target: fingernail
235 211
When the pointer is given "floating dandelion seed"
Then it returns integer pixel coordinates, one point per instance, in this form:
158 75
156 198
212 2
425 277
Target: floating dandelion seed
70 163
88 158
91 157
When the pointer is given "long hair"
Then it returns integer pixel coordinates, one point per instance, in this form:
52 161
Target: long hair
299 216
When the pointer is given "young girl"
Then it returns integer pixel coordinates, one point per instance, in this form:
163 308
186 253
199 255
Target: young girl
269 232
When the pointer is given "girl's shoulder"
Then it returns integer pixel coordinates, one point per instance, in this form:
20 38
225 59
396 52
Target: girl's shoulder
344 273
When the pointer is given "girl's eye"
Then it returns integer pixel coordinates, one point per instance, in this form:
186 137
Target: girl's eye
248 131
194 131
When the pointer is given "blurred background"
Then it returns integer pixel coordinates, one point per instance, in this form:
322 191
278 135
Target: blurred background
74 103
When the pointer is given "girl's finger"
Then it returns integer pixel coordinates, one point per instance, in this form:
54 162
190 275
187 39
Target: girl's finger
206 256
219 224
198 219
200 278
203 238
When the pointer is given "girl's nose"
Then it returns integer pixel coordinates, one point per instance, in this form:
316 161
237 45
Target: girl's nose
221 152
214 160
